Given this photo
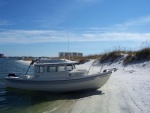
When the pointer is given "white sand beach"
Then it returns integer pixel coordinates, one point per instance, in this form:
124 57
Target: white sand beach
127 91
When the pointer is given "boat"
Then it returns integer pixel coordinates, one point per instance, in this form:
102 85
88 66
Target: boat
58 76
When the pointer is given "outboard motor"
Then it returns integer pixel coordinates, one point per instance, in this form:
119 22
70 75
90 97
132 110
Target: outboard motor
12 75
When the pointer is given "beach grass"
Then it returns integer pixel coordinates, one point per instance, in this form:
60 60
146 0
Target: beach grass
127 56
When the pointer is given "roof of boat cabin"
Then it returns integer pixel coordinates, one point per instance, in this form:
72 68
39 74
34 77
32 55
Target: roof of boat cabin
57 63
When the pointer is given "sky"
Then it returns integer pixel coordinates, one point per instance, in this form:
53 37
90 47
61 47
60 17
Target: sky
47 27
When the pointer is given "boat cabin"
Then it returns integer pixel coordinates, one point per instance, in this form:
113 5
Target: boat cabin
56 70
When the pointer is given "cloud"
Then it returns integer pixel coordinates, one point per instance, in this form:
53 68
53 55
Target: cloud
137 25
40 36
139 21
115 36
31 36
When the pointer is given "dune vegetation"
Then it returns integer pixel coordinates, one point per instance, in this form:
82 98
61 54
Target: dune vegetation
124 56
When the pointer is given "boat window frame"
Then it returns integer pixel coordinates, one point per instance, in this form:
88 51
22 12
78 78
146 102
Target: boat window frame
48 68
38 69
72 67
58 69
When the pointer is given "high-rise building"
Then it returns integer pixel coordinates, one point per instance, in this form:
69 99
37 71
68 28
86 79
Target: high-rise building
70 54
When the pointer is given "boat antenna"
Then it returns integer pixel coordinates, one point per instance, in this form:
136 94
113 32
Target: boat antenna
68 44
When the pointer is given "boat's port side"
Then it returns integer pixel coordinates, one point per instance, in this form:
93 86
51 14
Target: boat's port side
58 77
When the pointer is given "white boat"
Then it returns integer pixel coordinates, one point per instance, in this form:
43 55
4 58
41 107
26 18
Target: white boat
59 76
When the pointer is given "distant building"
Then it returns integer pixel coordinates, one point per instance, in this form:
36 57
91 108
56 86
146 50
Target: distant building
70 54
1 55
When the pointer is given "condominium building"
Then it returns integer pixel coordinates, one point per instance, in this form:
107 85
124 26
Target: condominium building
70 54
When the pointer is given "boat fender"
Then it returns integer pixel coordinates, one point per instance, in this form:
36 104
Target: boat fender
12 75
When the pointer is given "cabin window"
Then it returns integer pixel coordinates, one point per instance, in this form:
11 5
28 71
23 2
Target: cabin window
69 67
40 69
51 69
61 68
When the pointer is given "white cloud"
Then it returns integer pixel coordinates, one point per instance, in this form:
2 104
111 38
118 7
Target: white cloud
133 25
114 36
141 20
30 36
39 36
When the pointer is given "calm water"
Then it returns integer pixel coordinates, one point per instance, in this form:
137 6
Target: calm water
22 101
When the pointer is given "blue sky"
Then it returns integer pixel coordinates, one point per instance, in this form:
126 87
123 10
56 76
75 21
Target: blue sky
43 27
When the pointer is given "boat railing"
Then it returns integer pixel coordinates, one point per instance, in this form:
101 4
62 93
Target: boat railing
101 68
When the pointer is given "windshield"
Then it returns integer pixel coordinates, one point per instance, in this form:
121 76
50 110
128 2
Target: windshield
70 67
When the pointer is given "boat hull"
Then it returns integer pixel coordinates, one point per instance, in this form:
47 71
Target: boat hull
63 85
